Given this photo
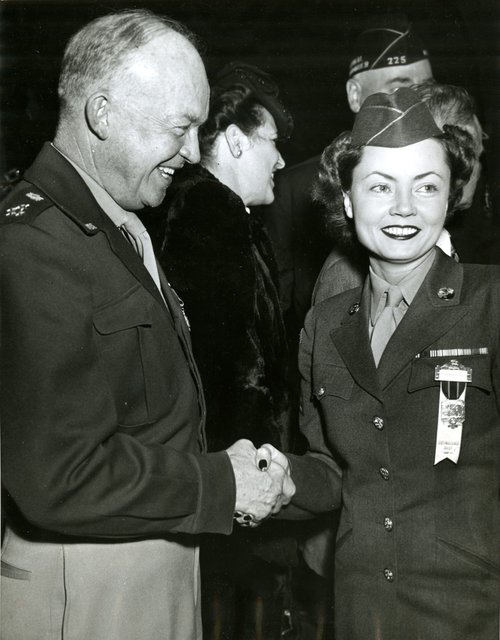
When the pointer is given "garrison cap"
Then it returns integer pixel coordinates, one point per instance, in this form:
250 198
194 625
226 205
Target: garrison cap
386 46
263 87
393 120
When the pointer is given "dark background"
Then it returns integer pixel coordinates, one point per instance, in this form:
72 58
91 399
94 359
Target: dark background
304 44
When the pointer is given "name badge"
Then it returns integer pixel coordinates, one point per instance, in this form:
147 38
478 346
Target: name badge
451 416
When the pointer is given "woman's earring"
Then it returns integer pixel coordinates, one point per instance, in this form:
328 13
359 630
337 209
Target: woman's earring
347 205
238 153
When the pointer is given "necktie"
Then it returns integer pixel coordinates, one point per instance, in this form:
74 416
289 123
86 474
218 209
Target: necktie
386 323
136 232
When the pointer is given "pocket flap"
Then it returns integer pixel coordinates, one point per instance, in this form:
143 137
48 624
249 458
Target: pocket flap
331 380
423 371
131 310
9 571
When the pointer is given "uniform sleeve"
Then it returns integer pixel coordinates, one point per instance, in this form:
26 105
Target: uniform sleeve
67 464
317 476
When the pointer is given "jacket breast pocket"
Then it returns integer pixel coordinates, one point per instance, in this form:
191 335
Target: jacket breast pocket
423 372
331 380
121 329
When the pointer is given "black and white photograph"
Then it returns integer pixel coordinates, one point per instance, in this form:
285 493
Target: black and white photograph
250 319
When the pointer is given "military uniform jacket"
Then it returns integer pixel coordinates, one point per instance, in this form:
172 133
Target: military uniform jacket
418 545
102 407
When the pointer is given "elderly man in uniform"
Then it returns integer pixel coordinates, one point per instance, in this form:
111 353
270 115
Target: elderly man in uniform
387 56
106 479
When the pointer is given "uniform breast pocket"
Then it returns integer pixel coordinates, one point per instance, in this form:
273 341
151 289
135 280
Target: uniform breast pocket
331 380
423 372
122 327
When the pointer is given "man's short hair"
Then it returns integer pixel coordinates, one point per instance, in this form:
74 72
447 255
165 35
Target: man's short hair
94 53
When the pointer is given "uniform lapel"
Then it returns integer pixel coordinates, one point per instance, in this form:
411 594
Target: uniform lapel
55 176
353 345
181 326
434 310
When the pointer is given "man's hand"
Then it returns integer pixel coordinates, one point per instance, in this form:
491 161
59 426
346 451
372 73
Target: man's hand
269 458
259 493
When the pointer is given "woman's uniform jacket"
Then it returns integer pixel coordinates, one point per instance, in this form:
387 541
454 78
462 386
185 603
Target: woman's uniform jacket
418 545
104 471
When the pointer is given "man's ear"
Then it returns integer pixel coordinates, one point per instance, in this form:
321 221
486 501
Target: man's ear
97 114
235 139
353 90
347 205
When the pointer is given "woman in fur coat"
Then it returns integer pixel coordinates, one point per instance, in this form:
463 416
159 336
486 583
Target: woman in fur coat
218 258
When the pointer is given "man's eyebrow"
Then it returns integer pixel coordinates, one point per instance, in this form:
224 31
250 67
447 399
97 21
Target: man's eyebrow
401 79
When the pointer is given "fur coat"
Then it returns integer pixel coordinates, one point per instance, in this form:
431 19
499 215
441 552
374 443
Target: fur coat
220 261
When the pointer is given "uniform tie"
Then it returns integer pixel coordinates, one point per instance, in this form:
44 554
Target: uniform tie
386 323
135 231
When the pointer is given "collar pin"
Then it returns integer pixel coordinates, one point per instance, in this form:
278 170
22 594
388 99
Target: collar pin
446 293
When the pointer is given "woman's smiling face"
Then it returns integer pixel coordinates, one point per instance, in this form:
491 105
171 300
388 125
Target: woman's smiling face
398 200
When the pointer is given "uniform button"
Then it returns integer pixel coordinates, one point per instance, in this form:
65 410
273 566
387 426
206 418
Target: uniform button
389 575
321 392
388 524
384 473
378 422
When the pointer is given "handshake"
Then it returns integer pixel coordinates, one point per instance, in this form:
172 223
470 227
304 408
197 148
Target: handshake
263 481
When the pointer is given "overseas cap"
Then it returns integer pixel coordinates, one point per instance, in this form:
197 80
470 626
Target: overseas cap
393 120
388 46
264 88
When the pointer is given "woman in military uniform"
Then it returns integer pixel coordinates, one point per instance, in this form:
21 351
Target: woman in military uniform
401 382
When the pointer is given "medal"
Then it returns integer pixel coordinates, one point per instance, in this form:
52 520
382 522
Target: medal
454 378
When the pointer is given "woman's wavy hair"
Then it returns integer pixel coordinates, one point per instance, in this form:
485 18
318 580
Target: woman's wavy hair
340 158
233 105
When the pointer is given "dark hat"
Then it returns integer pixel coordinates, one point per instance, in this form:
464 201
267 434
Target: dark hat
263 87
386 46
393 120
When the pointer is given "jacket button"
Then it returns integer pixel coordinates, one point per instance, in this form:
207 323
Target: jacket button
384 473
321 392
389 575
388 524
378 422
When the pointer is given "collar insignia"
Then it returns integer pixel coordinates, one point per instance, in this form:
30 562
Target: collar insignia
15 212
34 196
446 293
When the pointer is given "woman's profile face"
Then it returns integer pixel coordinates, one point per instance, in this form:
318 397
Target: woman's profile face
260 160
398 200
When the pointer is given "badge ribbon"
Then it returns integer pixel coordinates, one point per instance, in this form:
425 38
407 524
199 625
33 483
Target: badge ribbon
454 378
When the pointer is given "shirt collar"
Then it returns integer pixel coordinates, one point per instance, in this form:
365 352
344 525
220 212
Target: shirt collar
409 286
444 242
110 207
